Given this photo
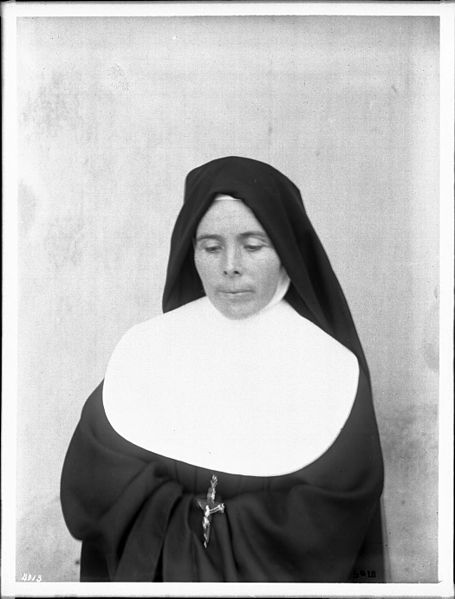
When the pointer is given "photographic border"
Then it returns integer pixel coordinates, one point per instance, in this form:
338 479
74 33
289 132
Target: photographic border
446 14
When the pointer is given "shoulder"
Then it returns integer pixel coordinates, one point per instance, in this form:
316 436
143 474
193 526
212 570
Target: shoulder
155 330
145 346
323 346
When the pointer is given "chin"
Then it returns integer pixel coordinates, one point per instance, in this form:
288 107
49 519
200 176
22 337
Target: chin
237 315
237 312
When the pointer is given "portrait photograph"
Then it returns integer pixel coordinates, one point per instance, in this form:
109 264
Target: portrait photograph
228 299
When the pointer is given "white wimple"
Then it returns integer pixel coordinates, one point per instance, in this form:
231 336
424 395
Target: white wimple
264 396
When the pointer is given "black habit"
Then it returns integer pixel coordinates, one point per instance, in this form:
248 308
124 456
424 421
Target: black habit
135 511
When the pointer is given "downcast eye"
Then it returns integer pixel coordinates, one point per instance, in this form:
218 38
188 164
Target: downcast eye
212 249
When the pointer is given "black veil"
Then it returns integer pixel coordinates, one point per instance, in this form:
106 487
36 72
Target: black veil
314 292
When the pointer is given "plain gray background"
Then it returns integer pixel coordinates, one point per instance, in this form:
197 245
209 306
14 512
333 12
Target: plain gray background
113 112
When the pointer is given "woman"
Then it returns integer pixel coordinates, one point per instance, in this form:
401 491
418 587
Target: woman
234 437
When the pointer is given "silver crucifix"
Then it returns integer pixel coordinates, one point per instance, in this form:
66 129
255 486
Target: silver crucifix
209 506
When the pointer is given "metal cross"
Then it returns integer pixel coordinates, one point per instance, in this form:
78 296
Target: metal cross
209 506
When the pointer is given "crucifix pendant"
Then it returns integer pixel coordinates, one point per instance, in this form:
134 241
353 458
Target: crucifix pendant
209 506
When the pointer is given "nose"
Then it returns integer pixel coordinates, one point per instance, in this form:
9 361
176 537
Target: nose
232 266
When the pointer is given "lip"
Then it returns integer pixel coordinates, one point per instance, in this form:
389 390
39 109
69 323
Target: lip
236 292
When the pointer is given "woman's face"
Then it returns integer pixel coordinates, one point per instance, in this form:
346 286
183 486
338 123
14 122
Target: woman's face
235 259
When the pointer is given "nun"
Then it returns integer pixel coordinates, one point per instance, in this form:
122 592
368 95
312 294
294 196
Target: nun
233 438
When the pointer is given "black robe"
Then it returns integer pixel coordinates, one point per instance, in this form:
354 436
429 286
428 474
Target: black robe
136 511
137 515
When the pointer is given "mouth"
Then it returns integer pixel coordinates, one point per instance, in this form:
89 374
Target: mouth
236 292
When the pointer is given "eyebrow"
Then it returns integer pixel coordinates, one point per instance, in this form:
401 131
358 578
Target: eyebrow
245 235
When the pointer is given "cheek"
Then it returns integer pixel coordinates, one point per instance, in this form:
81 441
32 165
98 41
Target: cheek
205 269
268 274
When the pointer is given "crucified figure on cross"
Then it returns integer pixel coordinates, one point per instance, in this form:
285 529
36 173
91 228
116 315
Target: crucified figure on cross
209 506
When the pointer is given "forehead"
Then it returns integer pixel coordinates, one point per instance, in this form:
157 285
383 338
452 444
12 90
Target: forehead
228 216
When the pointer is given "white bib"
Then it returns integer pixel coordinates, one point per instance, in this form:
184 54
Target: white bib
262 396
